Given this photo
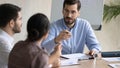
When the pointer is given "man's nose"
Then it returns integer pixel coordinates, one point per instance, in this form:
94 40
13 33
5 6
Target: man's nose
69 15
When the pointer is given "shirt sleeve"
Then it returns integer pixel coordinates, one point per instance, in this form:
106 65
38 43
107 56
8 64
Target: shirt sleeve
91 40
40 61
49 42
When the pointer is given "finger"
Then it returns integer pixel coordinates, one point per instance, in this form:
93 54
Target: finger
66 31
67 35
92 52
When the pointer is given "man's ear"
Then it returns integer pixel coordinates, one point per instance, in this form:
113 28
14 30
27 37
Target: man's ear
12 23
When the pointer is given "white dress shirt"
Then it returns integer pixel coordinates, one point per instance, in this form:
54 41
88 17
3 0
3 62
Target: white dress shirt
5 47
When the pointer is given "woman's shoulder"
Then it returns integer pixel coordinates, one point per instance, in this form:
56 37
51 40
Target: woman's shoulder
19 42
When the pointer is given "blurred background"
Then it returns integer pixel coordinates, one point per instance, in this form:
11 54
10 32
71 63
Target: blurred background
108 36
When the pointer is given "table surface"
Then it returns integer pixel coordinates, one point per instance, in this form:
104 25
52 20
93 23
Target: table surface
98 63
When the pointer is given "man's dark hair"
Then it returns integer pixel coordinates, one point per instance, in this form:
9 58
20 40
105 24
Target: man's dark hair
7 13
72 2
37 27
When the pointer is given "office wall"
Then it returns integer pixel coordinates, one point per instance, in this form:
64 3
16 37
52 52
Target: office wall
109 36
91 10
29 7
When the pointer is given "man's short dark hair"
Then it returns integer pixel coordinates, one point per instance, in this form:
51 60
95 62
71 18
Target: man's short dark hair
72 2
7 13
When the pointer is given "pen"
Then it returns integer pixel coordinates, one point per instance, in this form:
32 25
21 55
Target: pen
93 56
64 57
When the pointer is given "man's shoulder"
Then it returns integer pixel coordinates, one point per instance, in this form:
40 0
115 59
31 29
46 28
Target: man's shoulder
3 41
4 45
57 21
82 20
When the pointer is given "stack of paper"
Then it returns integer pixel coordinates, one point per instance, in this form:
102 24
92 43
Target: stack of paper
115 65
79 56
69 62
72 59
112 59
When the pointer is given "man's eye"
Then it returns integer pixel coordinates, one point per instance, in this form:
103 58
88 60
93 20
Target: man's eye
73 12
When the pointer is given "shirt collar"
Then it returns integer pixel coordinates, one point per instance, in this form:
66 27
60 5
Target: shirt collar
6 36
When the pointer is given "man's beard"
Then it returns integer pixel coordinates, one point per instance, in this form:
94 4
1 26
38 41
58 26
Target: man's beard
67 22
16 29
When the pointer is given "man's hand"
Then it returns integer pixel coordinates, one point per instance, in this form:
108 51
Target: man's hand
65 34
94 54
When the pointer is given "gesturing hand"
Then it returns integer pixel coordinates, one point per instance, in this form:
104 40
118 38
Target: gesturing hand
65 34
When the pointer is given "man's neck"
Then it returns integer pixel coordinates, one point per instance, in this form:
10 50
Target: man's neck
70 25
8 30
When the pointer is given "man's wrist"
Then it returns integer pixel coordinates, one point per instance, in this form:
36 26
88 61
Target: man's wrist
97 51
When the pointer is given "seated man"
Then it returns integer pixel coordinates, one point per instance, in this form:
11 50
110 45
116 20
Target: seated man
10 23
71 31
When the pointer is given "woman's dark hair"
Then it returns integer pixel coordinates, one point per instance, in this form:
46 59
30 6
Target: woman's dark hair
37 27
7 13
72 2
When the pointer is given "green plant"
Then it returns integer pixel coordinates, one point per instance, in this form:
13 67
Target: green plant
110 12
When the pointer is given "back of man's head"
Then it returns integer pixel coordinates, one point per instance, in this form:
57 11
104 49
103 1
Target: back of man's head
7 13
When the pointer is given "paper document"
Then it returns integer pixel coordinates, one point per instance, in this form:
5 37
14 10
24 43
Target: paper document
72 59
112 59
115 65
69 62
78 56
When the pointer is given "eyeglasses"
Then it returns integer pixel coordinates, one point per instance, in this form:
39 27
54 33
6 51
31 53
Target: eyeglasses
70 12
